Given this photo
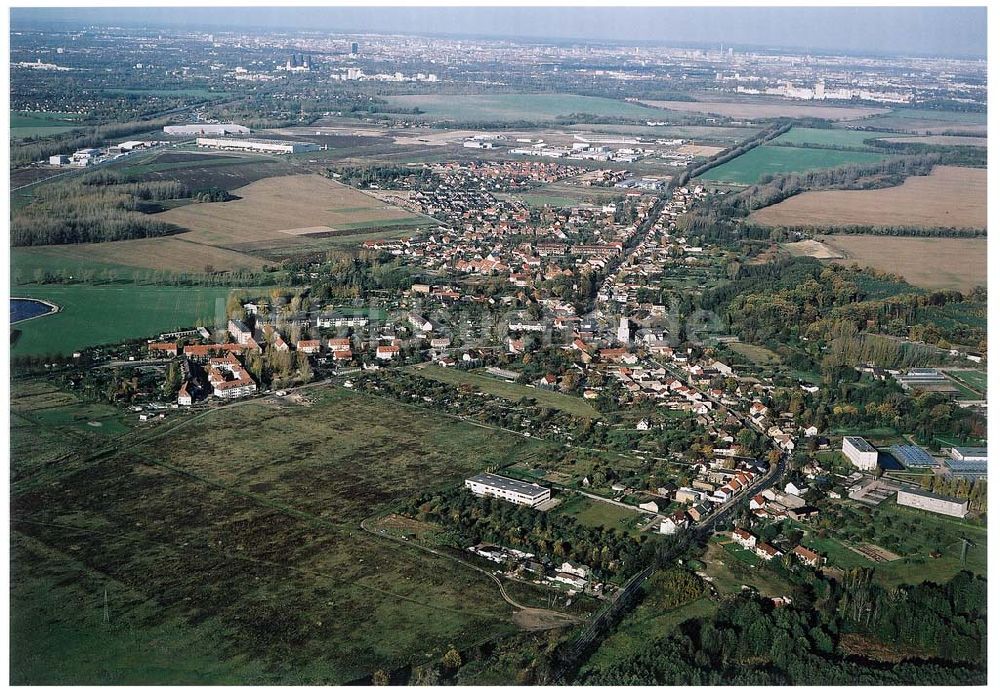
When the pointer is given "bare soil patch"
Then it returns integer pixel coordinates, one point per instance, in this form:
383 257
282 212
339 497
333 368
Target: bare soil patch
951 197
812 248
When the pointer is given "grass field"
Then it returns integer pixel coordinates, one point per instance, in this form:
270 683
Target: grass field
590 512
284 208
729 573
973 377
925 121
27 124
826 137
758 354
107 314
171 254
516 107
950 197
950 140
767 109
573 405
750 167
231 550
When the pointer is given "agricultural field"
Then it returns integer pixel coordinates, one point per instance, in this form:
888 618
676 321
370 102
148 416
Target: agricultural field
516 107
237 552
952 197
748 168
947 140
930 262
768 109
574 405
30 125
827 137
169 254
926 122
286 210
201 170
138 311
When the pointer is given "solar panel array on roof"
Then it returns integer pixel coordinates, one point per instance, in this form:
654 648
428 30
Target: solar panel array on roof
912 456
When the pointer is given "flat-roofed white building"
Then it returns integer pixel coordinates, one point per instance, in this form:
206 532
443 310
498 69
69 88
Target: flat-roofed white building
860 453
939 504
258 145
490 485
206 129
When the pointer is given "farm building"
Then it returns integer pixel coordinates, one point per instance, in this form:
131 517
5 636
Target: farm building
860 453
258 145
490 485
206 129
939 504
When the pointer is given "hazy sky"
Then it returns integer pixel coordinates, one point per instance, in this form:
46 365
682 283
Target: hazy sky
910 30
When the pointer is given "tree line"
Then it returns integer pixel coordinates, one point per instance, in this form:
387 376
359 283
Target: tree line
750 641
80 212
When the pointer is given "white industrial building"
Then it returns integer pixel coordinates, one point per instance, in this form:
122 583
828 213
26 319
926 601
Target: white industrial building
928 501
258 145
489 485
206 129
860 453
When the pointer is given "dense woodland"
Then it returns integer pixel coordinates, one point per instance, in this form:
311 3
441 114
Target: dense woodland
749 641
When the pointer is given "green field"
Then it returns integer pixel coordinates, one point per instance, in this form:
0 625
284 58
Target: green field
775 160
967 117
573 405
974 378
28 124
108 314
590 512
758 354
825 137
518 107
230 548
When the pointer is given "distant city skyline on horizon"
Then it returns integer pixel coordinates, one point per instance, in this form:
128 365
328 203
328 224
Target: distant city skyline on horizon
918 31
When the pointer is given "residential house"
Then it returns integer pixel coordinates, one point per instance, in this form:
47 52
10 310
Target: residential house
808 556
744 538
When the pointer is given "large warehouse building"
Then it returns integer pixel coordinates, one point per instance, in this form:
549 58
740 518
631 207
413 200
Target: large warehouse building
860 453
258 145
939 504
206 129
489 485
